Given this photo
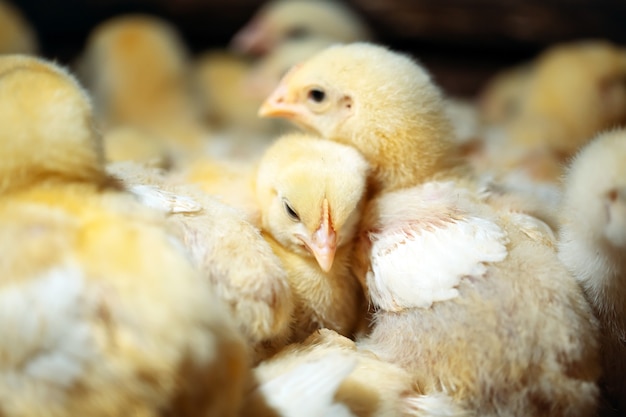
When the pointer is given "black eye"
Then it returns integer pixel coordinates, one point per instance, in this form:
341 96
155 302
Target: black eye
317 95
297 33
291 212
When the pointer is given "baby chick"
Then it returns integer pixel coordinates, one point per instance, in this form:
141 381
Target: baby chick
321 96
16 34
560 100
593 246
471 300
228 250
230 106
102 312
281 20
310 193
137 71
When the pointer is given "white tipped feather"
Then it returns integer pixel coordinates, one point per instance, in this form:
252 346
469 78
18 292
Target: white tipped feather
309 389
434 405
421 254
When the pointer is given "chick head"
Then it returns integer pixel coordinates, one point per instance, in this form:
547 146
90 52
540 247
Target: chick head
283 20
310 192
46 124
360 94
595 187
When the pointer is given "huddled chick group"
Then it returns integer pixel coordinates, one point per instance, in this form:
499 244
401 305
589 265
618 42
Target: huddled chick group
371 254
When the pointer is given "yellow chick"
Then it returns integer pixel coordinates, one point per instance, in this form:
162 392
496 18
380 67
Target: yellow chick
561 99
102 312
575 91
281 20
471 300
592 245
16 34
230 106
310 194
321 96
229 251
137 71
499 100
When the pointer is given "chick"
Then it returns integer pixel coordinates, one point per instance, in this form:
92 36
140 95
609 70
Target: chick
321 96
499 100
281 20
16 34
228 250
575 91
136 68
102 312
561 99
468 299
310 194
592 245
230 106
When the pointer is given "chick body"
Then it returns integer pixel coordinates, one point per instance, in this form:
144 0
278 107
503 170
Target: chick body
592 245
444 264
102 310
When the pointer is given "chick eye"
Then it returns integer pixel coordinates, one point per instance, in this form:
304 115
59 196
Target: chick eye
291 212
317 95
297 32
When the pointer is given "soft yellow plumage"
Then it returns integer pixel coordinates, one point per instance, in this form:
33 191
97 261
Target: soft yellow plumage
103 314
592 245
310 195
136 68
469 295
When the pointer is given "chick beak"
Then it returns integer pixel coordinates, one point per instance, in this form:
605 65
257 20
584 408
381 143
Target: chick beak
323 244
279 104
276 105
253 39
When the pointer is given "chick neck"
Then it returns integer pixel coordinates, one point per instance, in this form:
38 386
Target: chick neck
408 154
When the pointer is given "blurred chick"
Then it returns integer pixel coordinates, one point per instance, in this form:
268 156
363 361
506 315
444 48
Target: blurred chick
16 34
281 20
593 247
310 194
499 100
560 100
470 298
227 249
137 71
328 370
230 107
576 90
101 311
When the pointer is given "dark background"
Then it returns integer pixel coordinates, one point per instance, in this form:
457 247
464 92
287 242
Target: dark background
462 42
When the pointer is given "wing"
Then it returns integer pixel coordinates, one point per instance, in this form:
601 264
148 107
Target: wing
419 255
309 389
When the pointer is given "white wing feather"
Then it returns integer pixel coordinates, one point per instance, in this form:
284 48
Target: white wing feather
309 389
420 256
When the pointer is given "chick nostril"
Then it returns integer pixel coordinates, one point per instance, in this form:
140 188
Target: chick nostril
612 195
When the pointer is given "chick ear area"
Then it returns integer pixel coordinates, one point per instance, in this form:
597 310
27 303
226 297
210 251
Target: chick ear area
346 102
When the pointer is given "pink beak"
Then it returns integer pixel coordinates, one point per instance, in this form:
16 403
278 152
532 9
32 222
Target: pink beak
323 244
253 39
